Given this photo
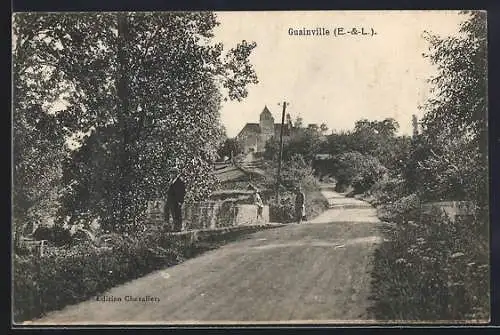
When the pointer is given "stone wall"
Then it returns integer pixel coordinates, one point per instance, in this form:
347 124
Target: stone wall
211 214
453 209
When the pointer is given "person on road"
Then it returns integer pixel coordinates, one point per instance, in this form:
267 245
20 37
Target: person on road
175 198
258 202
300 206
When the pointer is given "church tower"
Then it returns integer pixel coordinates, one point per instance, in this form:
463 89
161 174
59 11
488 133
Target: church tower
266 122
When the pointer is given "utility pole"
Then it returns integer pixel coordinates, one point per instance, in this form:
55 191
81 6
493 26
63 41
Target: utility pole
280 153
415 125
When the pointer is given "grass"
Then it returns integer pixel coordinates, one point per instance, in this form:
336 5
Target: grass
316 203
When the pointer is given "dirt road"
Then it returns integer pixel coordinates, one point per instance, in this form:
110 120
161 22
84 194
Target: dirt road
314 272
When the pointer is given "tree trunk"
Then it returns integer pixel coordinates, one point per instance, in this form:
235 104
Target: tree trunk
123 95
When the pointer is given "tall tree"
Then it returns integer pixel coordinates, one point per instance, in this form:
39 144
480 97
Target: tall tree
455 123
147 85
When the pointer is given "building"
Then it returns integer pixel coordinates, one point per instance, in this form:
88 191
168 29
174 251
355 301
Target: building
254 136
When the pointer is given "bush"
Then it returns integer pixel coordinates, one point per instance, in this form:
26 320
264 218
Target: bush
433 269
57 235
401 210
357 170
284 212
296 172
74 274
387 190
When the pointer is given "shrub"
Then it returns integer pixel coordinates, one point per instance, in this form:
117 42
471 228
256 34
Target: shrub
57 235
433 269
357 170
401 210
73 274
315 203
284 212
76 273
387 190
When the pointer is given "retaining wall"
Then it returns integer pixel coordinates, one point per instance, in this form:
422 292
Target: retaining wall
211 214
453 209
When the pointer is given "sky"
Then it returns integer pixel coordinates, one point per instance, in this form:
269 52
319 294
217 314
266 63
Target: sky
335 80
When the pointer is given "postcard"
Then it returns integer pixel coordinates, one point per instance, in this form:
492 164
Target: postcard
250 168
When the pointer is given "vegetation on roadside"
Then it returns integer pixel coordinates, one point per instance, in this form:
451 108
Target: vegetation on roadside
432 267
79 272
296 172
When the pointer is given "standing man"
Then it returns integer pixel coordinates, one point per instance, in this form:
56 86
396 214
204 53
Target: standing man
175 199
300 206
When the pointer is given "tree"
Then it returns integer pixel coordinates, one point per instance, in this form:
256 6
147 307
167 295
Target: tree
147 85
454 124
296 172
230 148
313 127
386 127
357 170
38 145
374 138
305 143
299 122
323 128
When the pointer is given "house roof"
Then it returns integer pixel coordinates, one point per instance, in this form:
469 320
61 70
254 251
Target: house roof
235 173
255 128
251 127
229 173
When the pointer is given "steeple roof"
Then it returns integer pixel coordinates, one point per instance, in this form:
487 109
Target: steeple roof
266 113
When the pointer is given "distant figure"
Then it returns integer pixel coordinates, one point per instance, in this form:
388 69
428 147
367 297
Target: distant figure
175 198
300 206
258 202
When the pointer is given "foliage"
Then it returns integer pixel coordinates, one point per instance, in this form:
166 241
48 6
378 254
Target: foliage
323 128
231 147
136 118
432 270
400 210
284 212
455 125
357 170
296 172
38 149
299 122
452 170
305 142
386 127
387 190
373 138
71 275
56 235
